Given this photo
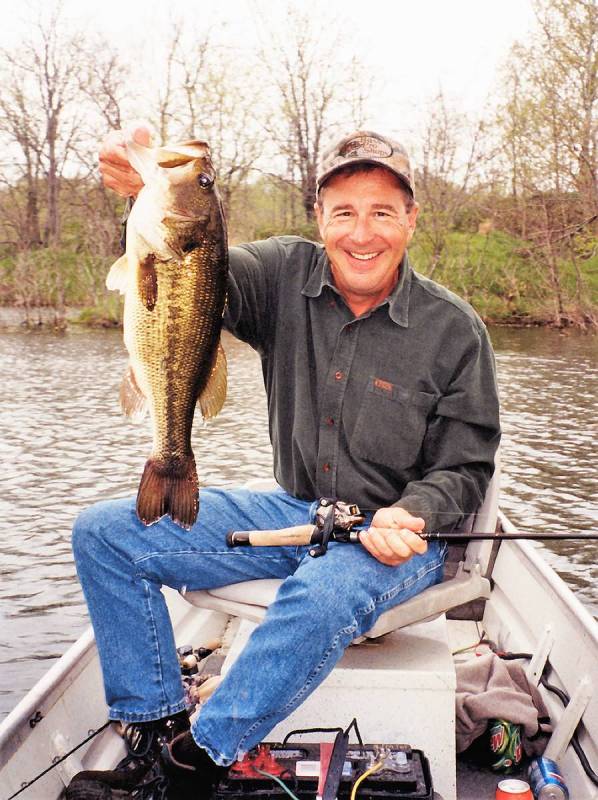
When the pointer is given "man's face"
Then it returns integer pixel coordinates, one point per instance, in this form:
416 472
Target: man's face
365 229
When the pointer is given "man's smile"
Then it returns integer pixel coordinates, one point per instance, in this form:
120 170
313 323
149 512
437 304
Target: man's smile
364 256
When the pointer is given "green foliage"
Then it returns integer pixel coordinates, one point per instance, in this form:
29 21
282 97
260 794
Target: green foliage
505 278
309 230
107 314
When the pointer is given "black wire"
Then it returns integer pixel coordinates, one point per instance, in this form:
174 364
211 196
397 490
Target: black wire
353 724
304 730
565 699
355 727
58 761
514 656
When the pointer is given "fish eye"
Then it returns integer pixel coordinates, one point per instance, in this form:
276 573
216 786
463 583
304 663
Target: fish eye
205 181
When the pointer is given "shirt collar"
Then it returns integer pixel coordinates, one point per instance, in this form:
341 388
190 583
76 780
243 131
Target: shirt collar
398 299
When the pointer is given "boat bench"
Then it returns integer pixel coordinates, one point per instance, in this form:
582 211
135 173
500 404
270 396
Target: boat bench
401 688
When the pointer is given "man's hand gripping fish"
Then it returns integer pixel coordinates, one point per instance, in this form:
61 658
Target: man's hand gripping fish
173 275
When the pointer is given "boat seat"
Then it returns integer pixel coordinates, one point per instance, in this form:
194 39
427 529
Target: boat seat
465 580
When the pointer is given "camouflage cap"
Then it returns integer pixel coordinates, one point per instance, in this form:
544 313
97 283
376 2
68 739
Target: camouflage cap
367 147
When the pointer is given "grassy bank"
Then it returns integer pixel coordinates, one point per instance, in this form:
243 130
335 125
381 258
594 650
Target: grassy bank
504 279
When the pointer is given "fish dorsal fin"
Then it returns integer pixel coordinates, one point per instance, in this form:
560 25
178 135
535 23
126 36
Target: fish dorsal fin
118 277
174 155
132 399
213 396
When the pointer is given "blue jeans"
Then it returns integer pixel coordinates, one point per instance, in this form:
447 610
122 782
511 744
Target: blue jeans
323 604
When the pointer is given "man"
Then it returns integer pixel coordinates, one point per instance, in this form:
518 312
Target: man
381 391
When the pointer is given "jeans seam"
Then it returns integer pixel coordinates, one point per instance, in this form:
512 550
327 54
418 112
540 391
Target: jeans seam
146 557
155 640
146 716
408 582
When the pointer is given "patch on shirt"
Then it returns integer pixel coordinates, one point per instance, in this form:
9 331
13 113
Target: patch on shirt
383 387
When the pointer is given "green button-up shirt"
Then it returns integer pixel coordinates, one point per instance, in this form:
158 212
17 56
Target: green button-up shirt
396 407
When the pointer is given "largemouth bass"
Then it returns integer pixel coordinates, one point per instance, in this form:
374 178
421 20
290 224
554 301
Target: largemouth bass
173 275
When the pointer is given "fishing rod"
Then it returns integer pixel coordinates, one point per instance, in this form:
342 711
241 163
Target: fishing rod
311 534
336 522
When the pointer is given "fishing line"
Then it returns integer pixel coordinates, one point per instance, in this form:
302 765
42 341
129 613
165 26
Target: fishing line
59 761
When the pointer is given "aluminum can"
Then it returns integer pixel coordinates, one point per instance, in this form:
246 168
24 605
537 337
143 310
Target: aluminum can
546 780
513 789
505 744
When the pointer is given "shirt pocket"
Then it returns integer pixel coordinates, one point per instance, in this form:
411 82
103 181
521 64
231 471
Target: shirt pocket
391 424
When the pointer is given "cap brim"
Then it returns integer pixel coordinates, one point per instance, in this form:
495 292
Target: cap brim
401 176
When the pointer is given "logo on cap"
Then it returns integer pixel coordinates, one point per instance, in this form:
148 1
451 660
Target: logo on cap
365 147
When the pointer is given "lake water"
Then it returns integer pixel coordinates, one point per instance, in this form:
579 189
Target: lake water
64 445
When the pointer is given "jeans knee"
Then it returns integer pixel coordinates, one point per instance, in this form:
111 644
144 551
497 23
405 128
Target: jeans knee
93 529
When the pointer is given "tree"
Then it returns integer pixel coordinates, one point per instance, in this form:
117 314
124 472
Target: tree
549 125
314 94
203 92
58 87
451 157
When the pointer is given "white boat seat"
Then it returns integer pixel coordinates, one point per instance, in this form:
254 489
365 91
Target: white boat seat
250 599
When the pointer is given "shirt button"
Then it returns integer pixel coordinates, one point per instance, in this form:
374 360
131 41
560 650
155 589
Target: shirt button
339 375
326 467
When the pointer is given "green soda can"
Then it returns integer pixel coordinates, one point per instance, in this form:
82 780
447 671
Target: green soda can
505 744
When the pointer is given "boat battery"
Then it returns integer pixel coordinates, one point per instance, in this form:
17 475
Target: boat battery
403 773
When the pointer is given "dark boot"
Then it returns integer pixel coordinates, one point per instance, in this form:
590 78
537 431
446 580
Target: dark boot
190 770
144 742
183 772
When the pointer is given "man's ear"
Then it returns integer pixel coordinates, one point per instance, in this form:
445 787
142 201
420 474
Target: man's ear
319 219
412 218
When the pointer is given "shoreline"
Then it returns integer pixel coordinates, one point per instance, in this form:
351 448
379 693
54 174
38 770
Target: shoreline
47 318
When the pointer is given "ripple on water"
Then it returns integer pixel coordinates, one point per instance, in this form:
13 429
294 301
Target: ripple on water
65 445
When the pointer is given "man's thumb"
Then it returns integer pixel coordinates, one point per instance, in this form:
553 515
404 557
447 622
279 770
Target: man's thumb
139 132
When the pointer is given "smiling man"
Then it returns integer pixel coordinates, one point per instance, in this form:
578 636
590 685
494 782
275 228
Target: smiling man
367 215
381 392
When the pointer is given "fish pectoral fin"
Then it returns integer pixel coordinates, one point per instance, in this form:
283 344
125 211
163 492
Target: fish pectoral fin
147 281
118 277
213 396
132 400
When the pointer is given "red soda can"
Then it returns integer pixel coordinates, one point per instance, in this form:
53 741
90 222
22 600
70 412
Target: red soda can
513 789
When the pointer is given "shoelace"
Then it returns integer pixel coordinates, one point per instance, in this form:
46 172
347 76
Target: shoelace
155 785
143 744
134 736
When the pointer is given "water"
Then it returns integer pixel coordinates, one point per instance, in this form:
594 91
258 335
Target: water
64 444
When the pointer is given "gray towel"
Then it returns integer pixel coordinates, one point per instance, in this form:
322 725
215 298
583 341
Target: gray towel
490 688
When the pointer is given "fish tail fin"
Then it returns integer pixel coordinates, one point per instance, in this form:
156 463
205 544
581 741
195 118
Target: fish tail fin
169 487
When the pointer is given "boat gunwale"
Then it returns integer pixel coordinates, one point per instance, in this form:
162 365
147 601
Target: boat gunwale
72 662
547 574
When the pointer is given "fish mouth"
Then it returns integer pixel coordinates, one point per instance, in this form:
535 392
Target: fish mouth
179 215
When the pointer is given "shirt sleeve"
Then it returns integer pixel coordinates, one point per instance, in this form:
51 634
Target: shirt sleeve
460 443
248 314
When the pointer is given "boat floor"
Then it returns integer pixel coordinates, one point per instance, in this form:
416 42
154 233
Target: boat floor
475 783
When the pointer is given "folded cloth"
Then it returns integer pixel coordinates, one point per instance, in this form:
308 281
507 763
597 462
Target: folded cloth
490 688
